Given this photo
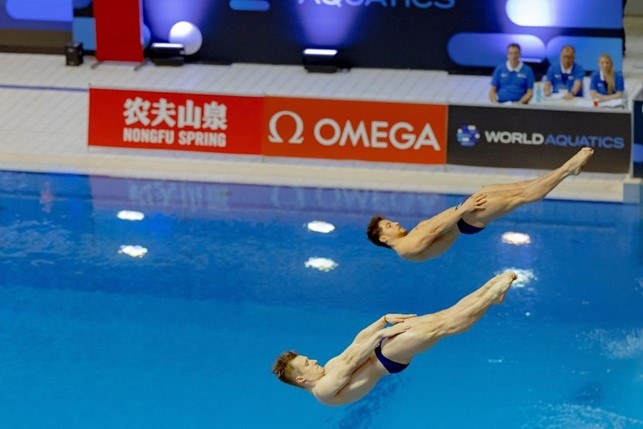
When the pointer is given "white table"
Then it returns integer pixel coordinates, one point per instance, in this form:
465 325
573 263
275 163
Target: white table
557 100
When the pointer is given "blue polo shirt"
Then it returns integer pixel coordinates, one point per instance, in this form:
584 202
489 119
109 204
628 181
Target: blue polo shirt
511 85
560 79
597 82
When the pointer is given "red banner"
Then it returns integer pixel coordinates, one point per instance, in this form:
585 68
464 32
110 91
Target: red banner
356 130
175 121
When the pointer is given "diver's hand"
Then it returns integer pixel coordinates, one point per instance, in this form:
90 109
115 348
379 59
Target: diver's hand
394 330
477 201
394 318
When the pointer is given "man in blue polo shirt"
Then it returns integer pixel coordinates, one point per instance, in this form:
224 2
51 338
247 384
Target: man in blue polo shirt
512 81
565 77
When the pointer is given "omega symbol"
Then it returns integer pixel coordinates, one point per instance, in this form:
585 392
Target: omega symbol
296 137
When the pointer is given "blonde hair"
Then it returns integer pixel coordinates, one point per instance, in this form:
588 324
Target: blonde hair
284 370
608 74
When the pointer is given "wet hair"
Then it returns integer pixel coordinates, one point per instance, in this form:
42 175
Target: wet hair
373 231
284 371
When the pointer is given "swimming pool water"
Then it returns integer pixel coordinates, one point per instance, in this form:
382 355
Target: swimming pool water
185 336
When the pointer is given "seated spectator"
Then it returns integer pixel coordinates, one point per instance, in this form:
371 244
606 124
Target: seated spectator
606 84
566 76
512 81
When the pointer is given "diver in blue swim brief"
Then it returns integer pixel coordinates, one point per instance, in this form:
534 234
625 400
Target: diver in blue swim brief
352 374
432 237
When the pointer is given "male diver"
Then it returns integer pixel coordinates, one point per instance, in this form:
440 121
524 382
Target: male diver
386 347
432 237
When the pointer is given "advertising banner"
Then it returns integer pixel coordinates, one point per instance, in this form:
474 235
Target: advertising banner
175 121
355 130
516 137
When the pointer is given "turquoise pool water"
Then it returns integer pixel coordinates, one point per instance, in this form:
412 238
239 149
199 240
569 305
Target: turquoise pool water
185 336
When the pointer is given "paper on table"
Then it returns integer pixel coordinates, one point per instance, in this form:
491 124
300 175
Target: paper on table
618 102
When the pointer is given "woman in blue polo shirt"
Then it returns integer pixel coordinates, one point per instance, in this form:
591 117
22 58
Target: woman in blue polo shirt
606 84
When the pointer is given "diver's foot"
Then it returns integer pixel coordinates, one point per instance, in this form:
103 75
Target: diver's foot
502 285
576 163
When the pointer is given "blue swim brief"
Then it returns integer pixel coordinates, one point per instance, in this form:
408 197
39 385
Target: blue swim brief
391 366
465 228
